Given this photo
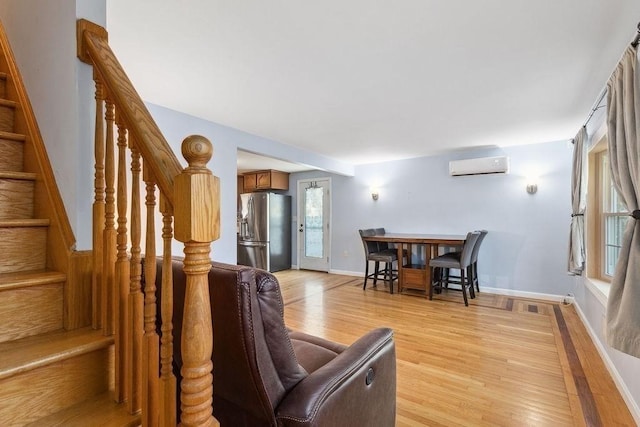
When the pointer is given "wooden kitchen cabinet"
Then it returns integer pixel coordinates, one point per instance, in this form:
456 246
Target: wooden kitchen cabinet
265 180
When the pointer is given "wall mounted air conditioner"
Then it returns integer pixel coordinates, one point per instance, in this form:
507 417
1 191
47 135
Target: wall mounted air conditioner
479 166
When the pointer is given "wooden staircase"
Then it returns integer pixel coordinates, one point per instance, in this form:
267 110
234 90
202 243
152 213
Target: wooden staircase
52 371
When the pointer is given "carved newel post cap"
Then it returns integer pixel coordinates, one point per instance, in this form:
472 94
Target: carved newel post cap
196 194
197 150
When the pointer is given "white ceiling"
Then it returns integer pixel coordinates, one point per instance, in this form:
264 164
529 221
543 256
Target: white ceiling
248 162
365 80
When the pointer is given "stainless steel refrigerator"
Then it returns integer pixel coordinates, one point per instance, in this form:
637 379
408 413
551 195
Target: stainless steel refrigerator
264 231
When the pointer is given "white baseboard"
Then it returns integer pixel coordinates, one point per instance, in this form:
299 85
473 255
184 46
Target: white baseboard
341 272
525 294
617 379
347 273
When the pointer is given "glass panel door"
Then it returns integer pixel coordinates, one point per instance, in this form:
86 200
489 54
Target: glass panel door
313 215
313 222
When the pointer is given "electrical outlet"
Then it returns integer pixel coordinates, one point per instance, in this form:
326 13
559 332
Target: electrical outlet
567 300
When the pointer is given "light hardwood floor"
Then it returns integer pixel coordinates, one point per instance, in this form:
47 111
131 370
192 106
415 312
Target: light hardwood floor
502 361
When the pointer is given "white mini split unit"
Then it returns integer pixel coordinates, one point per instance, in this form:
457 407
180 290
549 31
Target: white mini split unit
479 166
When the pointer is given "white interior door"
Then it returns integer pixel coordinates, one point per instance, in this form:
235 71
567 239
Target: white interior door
313 224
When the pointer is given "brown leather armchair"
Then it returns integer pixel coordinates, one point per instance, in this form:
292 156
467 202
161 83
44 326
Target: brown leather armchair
267 375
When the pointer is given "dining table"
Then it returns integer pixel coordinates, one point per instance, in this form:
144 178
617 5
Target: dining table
415 274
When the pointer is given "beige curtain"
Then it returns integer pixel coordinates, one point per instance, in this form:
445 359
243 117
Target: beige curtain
576 234
623 119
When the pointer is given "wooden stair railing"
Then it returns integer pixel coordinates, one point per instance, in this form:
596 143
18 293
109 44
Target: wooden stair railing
188 198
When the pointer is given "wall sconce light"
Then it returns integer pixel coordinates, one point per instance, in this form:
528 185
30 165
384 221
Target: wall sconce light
374 193
532 185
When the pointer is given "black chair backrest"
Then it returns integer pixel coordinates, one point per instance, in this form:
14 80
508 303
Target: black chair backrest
467 249
381 245
369 247
476 248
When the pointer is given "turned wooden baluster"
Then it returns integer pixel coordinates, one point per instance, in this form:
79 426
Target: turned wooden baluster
122 273
151 349
98 208
168 379
136 298
197 224
109 235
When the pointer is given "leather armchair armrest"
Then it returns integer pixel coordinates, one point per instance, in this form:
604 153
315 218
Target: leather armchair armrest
358 387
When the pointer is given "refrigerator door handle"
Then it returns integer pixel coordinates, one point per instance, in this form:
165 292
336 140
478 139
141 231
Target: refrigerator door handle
253 244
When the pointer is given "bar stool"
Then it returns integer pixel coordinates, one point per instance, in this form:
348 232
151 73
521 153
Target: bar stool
373 253
473 268
453 260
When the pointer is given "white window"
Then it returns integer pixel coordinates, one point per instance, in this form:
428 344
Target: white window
606 216
614 219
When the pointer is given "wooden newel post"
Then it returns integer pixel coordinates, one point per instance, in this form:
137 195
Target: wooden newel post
197 224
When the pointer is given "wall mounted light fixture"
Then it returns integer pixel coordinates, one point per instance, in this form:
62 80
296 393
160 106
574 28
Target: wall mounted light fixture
532 185
374 193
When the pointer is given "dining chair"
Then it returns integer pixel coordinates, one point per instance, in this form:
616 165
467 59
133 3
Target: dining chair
473 268
383 246
440 266
474 260
373 253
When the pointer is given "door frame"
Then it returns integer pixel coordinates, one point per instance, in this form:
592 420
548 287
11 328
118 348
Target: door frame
298 216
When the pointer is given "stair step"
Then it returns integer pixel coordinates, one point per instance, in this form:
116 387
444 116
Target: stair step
48 373
12 149
23 244
12 136
38 293
36 222
25 279
34 352
19 176
7 113
100 410
16 195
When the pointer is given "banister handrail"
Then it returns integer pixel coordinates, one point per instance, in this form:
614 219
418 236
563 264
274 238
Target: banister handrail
190 200
158 155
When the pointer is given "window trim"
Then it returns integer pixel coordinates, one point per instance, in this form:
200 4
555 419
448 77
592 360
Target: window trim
593 219
595 212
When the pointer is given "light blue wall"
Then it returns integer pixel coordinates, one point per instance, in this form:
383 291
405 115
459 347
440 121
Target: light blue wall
525 249
42 35
226 141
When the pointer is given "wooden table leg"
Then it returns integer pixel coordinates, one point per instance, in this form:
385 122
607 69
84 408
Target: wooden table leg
400 265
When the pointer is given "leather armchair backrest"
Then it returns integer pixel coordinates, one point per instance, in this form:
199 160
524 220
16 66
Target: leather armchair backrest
253 362
276 334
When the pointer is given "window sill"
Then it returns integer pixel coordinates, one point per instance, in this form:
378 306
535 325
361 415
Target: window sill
599 288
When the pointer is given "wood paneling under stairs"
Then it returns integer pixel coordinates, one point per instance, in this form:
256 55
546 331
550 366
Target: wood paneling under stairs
502 361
